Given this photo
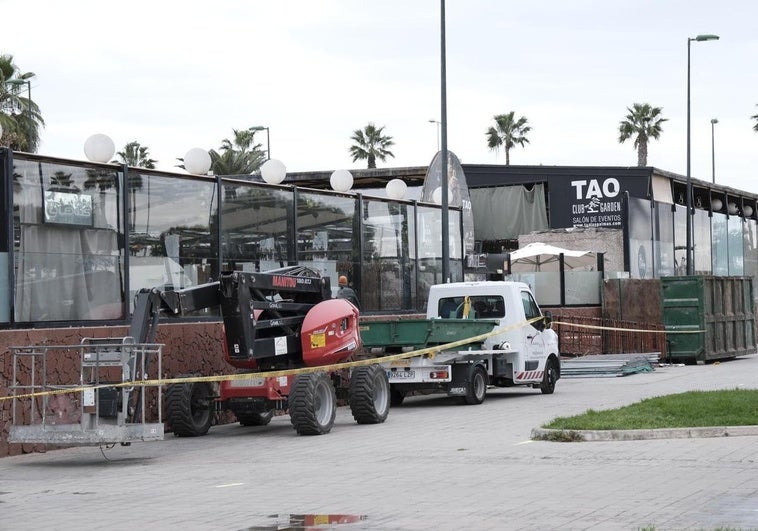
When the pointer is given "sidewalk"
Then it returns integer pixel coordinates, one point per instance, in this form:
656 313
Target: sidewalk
432 465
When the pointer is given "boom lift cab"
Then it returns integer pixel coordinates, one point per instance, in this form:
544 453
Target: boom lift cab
278 320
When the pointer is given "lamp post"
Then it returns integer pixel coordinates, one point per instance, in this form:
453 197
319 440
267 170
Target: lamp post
268 140
438 132
714 121
690 263
443 166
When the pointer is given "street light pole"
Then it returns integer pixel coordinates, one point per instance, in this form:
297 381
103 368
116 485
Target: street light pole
443 166
690 262
714 121
438 132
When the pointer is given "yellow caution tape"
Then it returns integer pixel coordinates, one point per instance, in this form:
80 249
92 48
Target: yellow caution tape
429 352
631 329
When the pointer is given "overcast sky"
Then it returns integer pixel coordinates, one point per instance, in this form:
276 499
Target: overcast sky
175 75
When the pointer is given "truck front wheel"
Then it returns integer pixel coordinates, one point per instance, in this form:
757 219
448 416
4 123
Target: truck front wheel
189 409
312 404
369 395
549 378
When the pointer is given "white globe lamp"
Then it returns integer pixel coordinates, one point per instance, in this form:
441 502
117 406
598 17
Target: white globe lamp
747 211
197 161
716 204
341 180
732 208
99 148
396 189
273 171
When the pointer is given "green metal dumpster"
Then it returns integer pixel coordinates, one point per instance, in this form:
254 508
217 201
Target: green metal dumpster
420 333
708 318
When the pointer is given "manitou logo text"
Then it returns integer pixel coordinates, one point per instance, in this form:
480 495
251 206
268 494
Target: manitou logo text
284 282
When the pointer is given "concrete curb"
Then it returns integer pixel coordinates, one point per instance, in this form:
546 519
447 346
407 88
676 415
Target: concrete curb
638 435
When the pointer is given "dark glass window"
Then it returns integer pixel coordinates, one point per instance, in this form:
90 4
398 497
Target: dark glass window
720 245
388 274
531 310
172 232
664 242
640 239
68 261
480 307
327 238
256 222
736 251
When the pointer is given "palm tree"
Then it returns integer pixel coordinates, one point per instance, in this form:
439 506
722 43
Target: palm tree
508 132
371 145
755 117
136 156
20 117
240 156
645 122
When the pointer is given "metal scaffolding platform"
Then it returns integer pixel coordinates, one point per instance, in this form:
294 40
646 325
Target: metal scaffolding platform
101 408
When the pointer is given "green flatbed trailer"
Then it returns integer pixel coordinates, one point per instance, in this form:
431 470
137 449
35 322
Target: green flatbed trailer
396 335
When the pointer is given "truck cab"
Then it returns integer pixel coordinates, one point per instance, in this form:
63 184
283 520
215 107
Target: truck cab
510 303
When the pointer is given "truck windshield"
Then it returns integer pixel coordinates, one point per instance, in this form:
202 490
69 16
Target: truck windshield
480 307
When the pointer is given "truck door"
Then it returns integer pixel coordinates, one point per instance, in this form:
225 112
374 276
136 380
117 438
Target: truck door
534 340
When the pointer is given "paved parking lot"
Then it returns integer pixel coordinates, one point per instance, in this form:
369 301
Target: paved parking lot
432 465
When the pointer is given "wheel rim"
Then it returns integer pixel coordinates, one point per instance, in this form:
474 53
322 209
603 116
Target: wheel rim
323 403
381 392
479 386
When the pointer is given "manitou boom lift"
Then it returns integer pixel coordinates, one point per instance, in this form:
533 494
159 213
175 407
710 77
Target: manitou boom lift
277 320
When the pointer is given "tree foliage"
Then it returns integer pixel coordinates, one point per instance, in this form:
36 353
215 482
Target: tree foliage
136 156
371 144
755 117
507 133
20 117
643 123
238 156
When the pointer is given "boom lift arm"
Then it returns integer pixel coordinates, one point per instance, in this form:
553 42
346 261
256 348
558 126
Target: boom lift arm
262 312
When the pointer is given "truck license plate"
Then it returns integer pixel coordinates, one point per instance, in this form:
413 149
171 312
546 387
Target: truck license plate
400 375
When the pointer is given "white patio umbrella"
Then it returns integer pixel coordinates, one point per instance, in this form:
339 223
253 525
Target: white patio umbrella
544 257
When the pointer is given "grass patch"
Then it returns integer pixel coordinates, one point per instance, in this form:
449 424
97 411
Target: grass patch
694 409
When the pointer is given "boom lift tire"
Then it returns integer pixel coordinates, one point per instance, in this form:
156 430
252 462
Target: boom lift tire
255 419
312 404
189 408
476 385
369 395
549 378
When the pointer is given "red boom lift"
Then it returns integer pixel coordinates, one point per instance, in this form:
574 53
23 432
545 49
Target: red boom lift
280 319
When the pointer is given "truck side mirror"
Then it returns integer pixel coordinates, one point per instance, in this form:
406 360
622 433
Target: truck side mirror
548 319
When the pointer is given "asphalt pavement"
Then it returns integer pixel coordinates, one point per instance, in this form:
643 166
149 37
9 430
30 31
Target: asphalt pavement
432 465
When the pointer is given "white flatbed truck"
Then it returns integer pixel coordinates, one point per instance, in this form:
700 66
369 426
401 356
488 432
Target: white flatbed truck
522 350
